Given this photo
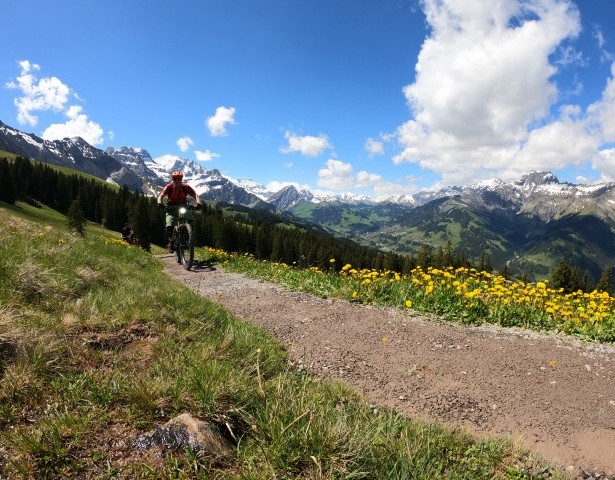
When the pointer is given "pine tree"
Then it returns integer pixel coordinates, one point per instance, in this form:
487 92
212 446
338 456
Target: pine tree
504 271
448 255
570 279
139 219
485 263
605 284
75 216
580 280
560 278
438 259
8 192
425 256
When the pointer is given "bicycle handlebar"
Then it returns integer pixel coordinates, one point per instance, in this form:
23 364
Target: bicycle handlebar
175 207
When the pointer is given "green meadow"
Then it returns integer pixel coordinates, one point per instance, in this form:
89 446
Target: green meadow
98 346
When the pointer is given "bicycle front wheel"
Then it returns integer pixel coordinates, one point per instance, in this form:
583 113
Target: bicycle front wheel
186 245
176 242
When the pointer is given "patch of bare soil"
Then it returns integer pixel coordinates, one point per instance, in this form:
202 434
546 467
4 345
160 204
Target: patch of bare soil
556 395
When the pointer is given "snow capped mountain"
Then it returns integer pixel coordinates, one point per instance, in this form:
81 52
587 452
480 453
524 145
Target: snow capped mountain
261 191
208 184
407 200
289 196
138 160
73 153
350 198
535 218
537 193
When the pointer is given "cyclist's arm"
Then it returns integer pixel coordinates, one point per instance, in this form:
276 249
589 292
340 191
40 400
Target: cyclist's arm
161 196
194 195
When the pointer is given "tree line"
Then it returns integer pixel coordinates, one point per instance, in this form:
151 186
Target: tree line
264 235
259 233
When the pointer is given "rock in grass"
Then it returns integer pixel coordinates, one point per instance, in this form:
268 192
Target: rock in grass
187 432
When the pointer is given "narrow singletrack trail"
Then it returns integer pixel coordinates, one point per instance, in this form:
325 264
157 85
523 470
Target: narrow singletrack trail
554 394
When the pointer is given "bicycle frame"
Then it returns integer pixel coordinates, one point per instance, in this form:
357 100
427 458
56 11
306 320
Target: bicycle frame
183 236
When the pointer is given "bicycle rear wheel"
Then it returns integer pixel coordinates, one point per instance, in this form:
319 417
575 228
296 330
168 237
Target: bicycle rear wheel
186 245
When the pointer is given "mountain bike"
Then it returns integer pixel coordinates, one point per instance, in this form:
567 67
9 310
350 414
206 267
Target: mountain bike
183 235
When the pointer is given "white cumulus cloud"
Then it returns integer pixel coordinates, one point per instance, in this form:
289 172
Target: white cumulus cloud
365 179
374 147
47 93
483 82
184 143
205 156
276 186
604 162
338 175
602 112
308 145
218 122
50 93
77 125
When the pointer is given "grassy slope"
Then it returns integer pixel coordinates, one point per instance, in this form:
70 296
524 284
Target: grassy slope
98 346
5 154
64 170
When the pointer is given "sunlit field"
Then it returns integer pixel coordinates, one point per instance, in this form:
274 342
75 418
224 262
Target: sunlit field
463 295
98 346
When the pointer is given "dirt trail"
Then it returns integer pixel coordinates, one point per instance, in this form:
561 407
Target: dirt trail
556 395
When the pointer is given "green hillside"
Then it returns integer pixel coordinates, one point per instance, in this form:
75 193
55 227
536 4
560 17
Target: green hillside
64 170
97 346
526 245
5 154
262 234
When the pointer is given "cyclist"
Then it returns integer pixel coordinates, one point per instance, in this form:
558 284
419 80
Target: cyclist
176 193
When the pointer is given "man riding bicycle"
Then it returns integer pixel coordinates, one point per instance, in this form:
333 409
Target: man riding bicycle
176 193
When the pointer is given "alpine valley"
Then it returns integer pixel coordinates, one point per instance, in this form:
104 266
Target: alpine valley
527 225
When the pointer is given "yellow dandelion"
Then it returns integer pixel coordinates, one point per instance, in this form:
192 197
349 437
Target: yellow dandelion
408 303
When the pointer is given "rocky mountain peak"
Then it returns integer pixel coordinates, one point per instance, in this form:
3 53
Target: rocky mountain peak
535 178
289 196
130 154
215 173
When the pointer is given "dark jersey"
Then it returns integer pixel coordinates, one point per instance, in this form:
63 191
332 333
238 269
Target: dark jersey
177 194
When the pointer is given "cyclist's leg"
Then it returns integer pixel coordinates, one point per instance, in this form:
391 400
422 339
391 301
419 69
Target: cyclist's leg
170 221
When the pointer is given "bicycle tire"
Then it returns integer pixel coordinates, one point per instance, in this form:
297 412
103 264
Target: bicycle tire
186 245
176 243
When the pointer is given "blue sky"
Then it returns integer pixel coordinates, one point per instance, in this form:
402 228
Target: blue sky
379 97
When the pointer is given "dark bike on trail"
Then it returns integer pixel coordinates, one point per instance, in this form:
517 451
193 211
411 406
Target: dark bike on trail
183 234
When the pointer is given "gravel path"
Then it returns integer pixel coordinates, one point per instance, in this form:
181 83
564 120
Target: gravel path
555 395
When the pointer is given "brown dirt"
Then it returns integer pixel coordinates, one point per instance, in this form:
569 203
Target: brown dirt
556 395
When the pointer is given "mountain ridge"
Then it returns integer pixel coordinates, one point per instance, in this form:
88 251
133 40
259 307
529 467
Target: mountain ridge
525 225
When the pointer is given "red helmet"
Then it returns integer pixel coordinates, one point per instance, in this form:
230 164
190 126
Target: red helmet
177 174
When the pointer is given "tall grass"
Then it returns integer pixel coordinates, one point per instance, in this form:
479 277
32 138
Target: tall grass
98 346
